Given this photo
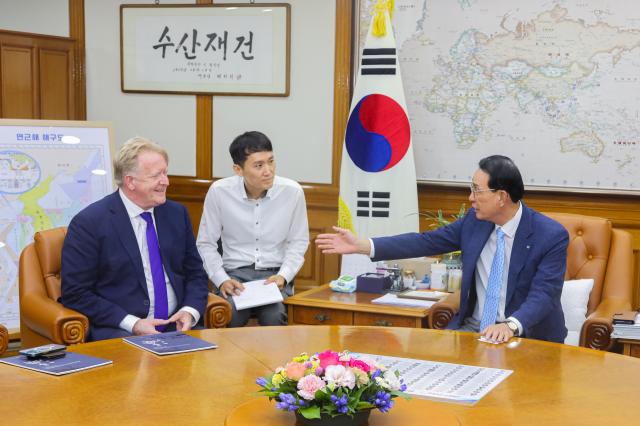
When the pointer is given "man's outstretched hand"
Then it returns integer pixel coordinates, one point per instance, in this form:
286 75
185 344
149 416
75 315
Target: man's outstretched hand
342 242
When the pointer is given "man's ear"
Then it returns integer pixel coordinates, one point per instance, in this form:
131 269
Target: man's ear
128 183
504 197
237 170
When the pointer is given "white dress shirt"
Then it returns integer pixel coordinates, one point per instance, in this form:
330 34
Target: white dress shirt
140 230
483 268
270 232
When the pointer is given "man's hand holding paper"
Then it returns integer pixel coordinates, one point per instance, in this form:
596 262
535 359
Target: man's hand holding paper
257 293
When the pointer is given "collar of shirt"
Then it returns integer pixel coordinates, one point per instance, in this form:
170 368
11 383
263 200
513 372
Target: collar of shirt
511 226
243 190
133 210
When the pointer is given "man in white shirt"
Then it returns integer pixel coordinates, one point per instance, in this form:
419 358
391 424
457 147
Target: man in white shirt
513 258
260 220
129 261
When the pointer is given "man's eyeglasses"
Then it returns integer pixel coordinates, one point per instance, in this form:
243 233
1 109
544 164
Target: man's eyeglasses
475 190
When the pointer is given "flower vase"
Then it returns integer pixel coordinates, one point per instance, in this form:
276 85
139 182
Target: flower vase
360 418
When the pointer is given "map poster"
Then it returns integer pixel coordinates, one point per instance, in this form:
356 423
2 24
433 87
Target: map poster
553 84
49 171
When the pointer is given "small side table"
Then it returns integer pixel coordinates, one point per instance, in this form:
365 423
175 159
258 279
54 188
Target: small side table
630 347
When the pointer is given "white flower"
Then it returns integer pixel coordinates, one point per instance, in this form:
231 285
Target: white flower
389 380
309 385
338 375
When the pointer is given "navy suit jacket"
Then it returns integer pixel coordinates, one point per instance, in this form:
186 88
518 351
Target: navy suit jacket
102 273
536 269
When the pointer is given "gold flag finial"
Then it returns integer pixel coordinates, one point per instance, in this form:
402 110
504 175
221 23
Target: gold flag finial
379 27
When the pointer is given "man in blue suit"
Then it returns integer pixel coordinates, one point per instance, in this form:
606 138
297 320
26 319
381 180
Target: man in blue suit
129 261
514 259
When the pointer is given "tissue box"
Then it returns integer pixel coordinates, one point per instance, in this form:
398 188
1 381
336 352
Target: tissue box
373 283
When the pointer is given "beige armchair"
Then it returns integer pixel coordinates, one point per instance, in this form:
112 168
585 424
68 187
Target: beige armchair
43 319
4 339
597 251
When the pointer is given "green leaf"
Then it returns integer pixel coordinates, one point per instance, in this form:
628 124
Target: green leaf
312 412
364 405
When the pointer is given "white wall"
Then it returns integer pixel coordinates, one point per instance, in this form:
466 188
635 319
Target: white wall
300 126
50 17
170 120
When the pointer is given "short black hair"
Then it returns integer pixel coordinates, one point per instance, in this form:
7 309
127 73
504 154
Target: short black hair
247 144
504 175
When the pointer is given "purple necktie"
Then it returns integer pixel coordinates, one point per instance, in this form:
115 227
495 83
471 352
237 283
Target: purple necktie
160 306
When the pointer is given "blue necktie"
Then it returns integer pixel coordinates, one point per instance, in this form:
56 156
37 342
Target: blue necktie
492 299
160 306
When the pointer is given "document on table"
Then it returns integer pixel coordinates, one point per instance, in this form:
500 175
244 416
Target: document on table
392 299
70 363
172 342
256 293
442 381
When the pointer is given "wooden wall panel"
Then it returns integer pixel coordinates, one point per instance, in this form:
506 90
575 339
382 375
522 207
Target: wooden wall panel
77 33
56 93
19 82
37 76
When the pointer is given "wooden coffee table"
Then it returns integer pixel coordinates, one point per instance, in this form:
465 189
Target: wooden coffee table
323 306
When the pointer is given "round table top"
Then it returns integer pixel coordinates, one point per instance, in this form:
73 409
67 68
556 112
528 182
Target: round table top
550 384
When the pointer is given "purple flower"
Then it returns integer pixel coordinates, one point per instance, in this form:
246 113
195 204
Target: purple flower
340 403
261 381
287 402
319 371
383 401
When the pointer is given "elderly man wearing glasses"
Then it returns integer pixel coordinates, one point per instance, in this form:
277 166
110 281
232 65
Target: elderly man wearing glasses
513 257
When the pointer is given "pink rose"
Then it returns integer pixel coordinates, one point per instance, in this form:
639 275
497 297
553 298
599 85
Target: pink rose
328 357
359 364
295 370
309 385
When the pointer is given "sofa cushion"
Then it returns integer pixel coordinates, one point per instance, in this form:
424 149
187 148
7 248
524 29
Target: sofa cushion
574 300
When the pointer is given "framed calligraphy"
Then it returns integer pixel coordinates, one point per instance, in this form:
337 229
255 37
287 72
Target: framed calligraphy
218 49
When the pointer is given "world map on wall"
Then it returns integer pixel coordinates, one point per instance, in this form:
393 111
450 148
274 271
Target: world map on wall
555 85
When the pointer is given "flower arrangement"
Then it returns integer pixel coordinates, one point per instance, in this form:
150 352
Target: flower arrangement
329 384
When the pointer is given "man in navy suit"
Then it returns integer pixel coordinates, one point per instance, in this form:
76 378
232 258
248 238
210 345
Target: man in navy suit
129 261
514 259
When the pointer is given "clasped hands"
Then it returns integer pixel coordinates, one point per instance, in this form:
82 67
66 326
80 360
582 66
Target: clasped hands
233 287
144 326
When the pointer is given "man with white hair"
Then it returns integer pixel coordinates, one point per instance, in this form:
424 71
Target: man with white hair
129 261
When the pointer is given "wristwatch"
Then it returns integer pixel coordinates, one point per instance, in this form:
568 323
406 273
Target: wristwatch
513 327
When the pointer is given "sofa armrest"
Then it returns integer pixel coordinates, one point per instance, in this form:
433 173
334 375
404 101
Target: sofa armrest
597 328
4 339
53 321
218 312
443 311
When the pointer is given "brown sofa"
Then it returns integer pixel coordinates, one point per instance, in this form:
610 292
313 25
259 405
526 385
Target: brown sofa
4 339
597 251
43 319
